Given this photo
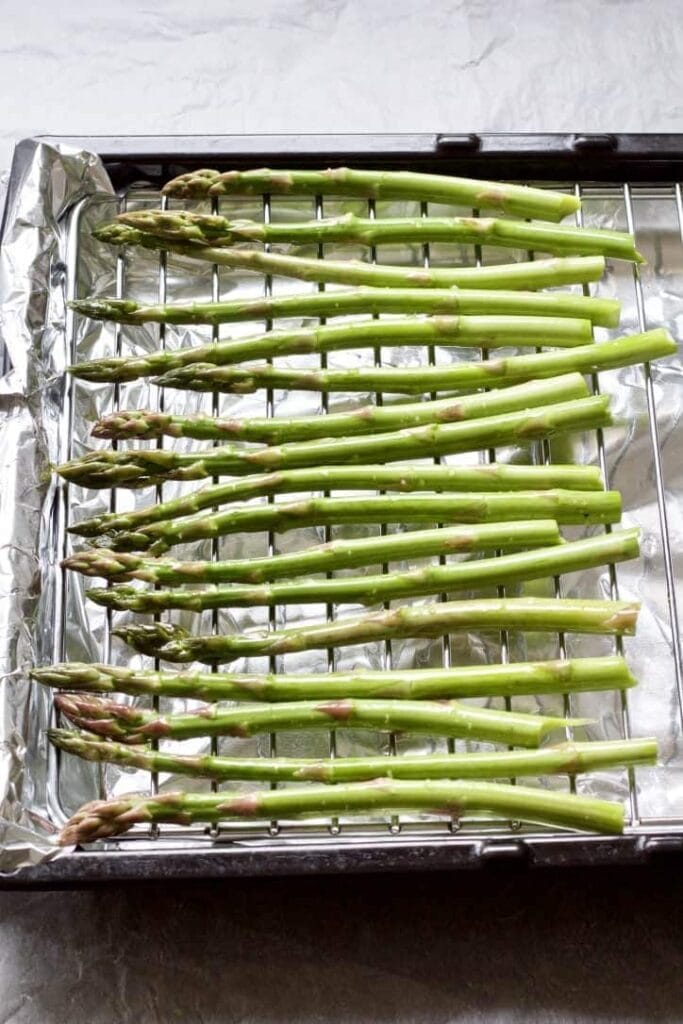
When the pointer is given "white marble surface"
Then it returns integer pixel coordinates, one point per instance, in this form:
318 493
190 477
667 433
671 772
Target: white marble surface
408 950
338 65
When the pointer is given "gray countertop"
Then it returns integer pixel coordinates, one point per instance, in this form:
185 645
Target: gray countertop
511 947
490 946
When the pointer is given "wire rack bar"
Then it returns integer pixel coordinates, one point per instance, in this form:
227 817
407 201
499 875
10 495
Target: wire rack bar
334 827
611 568
387 646
657 453
214 743
274 826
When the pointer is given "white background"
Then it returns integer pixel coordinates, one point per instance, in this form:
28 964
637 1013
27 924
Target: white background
212 66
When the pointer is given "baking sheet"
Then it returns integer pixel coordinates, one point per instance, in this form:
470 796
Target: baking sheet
57 196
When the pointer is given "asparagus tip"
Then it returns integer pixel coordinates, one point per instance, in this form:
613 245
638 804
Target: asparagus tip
66 739
100 819
103 309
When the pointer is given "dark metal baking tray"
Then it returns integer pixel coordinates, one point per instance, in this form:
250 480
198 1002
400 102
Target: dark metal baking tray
610 164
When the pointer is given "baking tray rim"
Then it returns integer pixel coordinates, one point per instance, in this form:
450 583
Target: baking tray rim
246 859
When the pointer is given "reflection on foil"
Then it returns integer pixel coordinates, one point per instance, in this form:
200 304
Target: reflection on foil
44 185
57 195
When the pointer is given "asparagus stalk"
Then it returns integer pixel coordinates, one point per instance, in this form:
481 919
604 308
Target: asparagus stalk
566 507
527 275
478 331
140 468
444 718
563 758
220 232
439 301
592 358
366 420
337 554
485 477
105 818
505 680
368 590
561 615
520 200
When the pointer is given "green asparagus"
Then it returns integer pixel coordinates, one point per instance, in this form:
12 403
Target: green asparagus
101 819
366 420
443 718
528 275
220 231
500 680
437 301
369 590
495 372
561 615
336 554
418 430
468 331
566 507
563 758
140 468
495 476
520 200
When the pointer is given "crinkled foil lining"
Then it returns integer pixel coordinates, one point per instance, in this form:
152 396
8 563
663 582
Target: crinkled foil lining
56 196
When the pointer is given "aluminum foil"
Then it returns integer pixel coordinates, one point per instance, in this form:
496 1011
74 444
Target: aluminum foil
44 185
57 195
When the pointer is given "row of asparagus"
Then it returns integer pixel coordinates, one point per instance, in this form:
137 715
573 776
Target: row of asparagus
513 510
113 733
519 414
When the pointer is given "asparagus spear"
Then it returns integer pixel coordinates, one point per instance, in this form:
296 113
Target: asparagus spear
220 231
520 200
101 819
443 718
337 554
493 476
566 507
366 420
561 615
528 275
504 680
569 758
439 301
140 468
477 331
368 590
592 358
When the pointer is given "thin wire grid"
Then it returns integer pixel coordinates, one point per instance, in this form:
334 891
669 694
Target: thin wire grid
274 826
387 646
611 568
546 459
61 511
446 654
490 458
159 489
215 543
657 451
483 827
334 827
113 494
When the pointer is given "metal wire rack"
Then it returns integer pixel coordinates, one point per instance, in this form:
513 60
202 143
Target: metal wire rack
642 209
